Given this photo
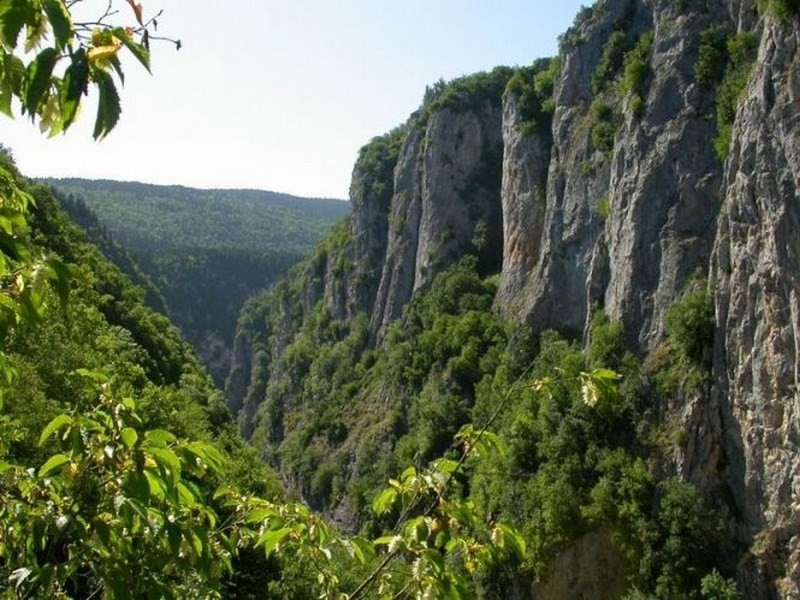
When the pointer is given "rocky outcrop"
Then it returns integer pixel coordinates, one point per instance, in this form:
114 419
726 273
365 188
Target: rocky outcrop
526 160
623 229
664 183
397 277
755 272
446 203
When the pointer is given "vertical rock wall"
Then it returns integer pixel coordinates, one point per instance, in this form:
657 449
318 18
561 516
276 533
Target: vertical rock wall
755 272
444 204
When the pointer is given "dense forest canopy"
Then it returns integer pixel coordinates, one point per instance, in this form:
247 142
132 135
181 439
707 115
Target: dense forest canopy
148 219
205 251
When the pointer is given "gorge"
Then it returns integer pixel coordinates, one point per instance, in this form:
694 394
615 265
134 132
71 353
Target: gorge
653 164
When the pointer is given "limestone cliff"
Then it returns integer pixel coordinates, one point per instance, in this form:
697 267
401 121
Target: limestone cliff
653 153
755 271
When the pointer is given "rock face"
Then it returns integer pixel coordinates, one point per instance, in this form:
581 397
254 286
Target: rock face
756 274
659 185
446 202
398 274
572 220
526 160
663 187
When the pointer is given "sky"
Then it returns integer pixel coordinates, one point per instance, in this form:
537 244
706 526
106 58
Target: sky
280 95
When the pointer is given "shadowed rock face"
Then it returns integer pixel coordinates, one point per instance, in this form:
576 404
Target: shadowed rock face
570 226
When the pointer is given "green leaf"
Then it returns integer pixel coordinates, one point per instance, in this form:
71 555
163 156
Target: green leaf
14 15
384 502
259 514
13 74
512 539
196 542
141 53
435 559
53 464
38 78
108 107
222 492
76 78
117 66
446 466
168 461
490 444
271 539
102 531
159 437
137 485
155 486
361 549
386 540
186 495
408 474
208 453
606 374
129 437
53 426
60 20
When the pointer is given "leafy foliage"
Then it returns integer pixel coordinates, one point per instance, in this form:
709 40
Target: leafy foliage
533 88
470 92
375 165
604 126
50 86
637 72
626 61
741 51
112 508
611 60
691 324
712 55
785 10
340 418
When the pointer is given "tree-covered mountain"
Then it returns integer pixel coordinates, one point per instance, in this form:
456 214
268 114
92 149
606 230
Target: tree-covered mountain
629 206
205 251
561 320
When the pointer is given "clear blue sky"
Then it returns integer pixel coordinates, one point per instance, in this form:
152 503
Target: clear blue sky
281 95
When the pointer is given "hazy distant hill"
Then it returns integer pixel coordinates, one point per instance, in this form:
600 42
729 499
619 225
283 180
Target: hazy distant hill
206 251
145 217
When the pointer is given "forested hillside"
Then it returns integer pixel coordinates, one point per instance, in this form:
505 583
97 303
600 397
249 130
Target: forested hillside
75 357
122 475
582 466
205 251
